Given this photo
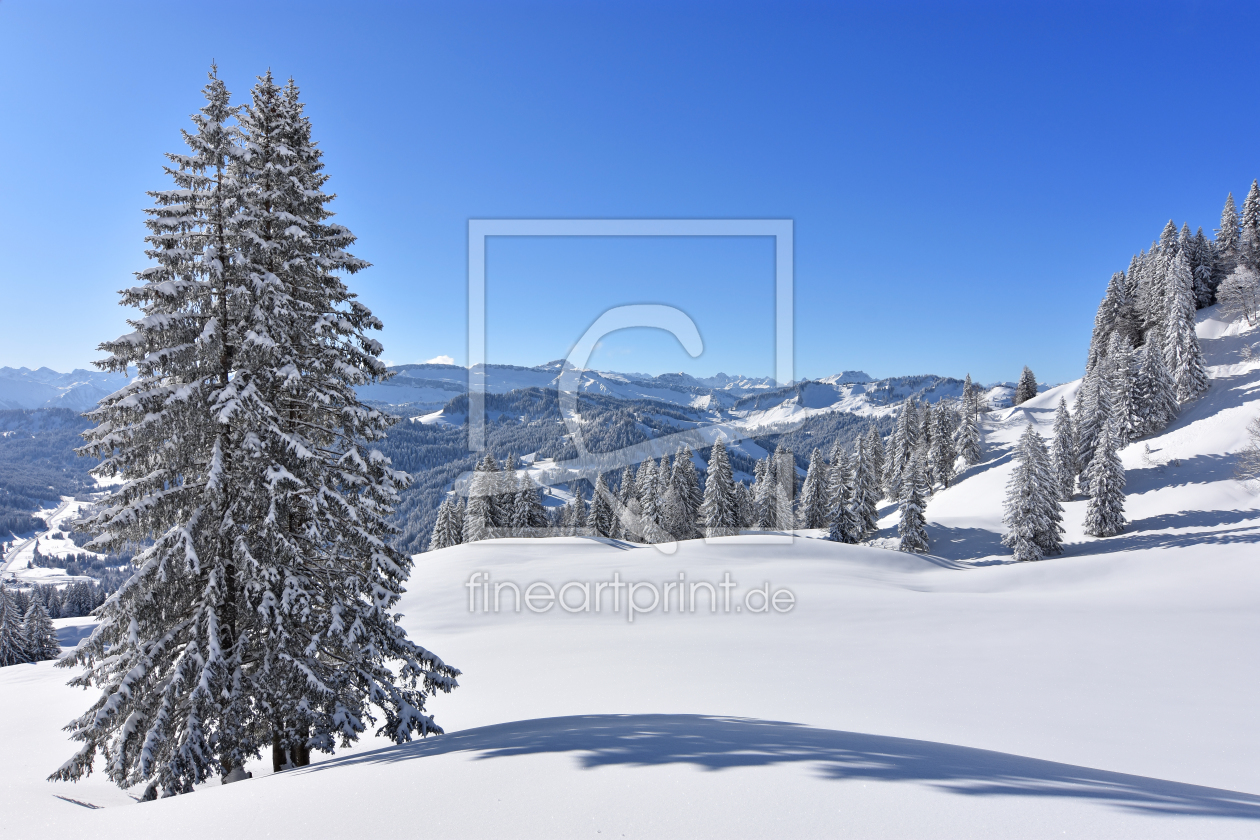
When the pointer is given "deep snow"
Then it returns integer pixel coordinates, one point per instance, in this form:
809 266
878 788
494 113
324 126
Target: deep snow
1109 692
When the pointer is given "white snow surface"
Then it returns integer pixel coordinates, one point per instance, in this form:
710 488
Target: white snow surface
1106 693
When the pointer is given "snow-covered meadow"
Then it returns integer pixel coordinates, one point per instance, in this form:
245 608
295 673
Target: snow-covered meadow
1107 692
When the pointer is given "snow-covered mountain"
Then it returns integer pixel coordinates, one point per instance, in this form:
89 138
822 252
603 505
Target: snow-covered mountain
79 390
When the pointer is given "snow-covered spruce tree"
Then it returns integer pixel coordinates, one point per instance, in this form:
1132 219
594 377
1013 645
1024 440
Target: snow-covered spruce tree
38 633
262 612
865 500
784 465
1225 246
1105 515
601 517
579 514
1182 351
687 484
479 512
1122 379
1201 264
1032 512
813 504
1086 421
1249 239
1063 452
12 639
875 450
904 442
1026 388
840 522
444 535
1155 391
746 505
719 511
944 454
912 526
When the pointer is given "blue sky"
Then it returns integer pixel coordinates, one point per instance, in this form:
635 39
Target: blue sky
963 177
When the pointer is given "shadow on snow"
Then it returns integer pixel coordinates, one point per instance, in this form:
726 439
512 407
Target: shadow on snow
717 743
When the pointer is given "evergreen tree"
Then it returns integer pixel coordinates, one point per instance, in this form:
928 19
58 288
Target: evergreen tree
687 485
601 518
1201 268
1027 387
1087 424
1122 379
840 497
444 532
1226 246
763 495
784 465
38 633
261 612
1182 352
865 497
719 511
12 639
943 452
1033 512
912 526
1249 239
904 442
875 450
1155 391
1105 515
813 503
479 514
1063 453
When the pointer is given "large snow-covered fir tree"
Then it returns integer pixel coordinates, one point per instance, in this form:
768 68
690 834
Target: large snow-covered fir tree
967 435
601 518
1225 245
447 531
719 511
1032 511
686 484
261 615
944 453
1104 517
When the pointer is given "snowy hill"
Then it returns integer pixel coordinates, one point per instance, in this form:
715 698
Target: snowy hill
1105 693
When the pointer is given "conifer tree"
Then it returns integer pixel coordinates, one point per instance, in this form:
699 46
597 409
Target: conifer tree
1225 246
1086 420
1104 516
1063 452
1026 389
944 453
262 611
1201 268
1032 512
1182 351
38 633
444 534
1122 379
1249 239
1155 391
912 526
601 517
840 497
12 639
479 519
875 450
686 485
719 511
813 503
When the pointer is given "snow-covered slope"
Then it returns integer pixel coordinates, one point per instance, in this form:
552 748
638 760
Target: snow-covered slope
1105 693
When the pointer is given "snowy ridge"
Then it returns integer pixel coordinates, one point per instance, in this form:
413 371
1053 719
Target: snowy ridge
80 390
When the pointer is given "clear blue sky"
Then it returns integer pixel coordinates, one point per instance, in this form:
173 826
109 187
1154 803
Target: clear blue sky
963 177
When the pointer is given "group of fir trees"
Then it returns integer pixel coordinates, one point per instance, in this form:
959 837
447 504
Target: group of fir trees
69 601
25 635
263 612
502 502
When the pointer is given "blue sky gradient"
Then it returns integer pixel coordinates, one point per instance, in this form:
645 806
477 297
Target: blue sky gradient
963 177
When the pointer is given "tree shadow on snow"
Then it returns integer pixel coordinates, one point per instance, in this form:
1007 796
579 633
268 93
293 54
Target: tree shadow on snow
964 543
1132 539
716 743
1201 469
